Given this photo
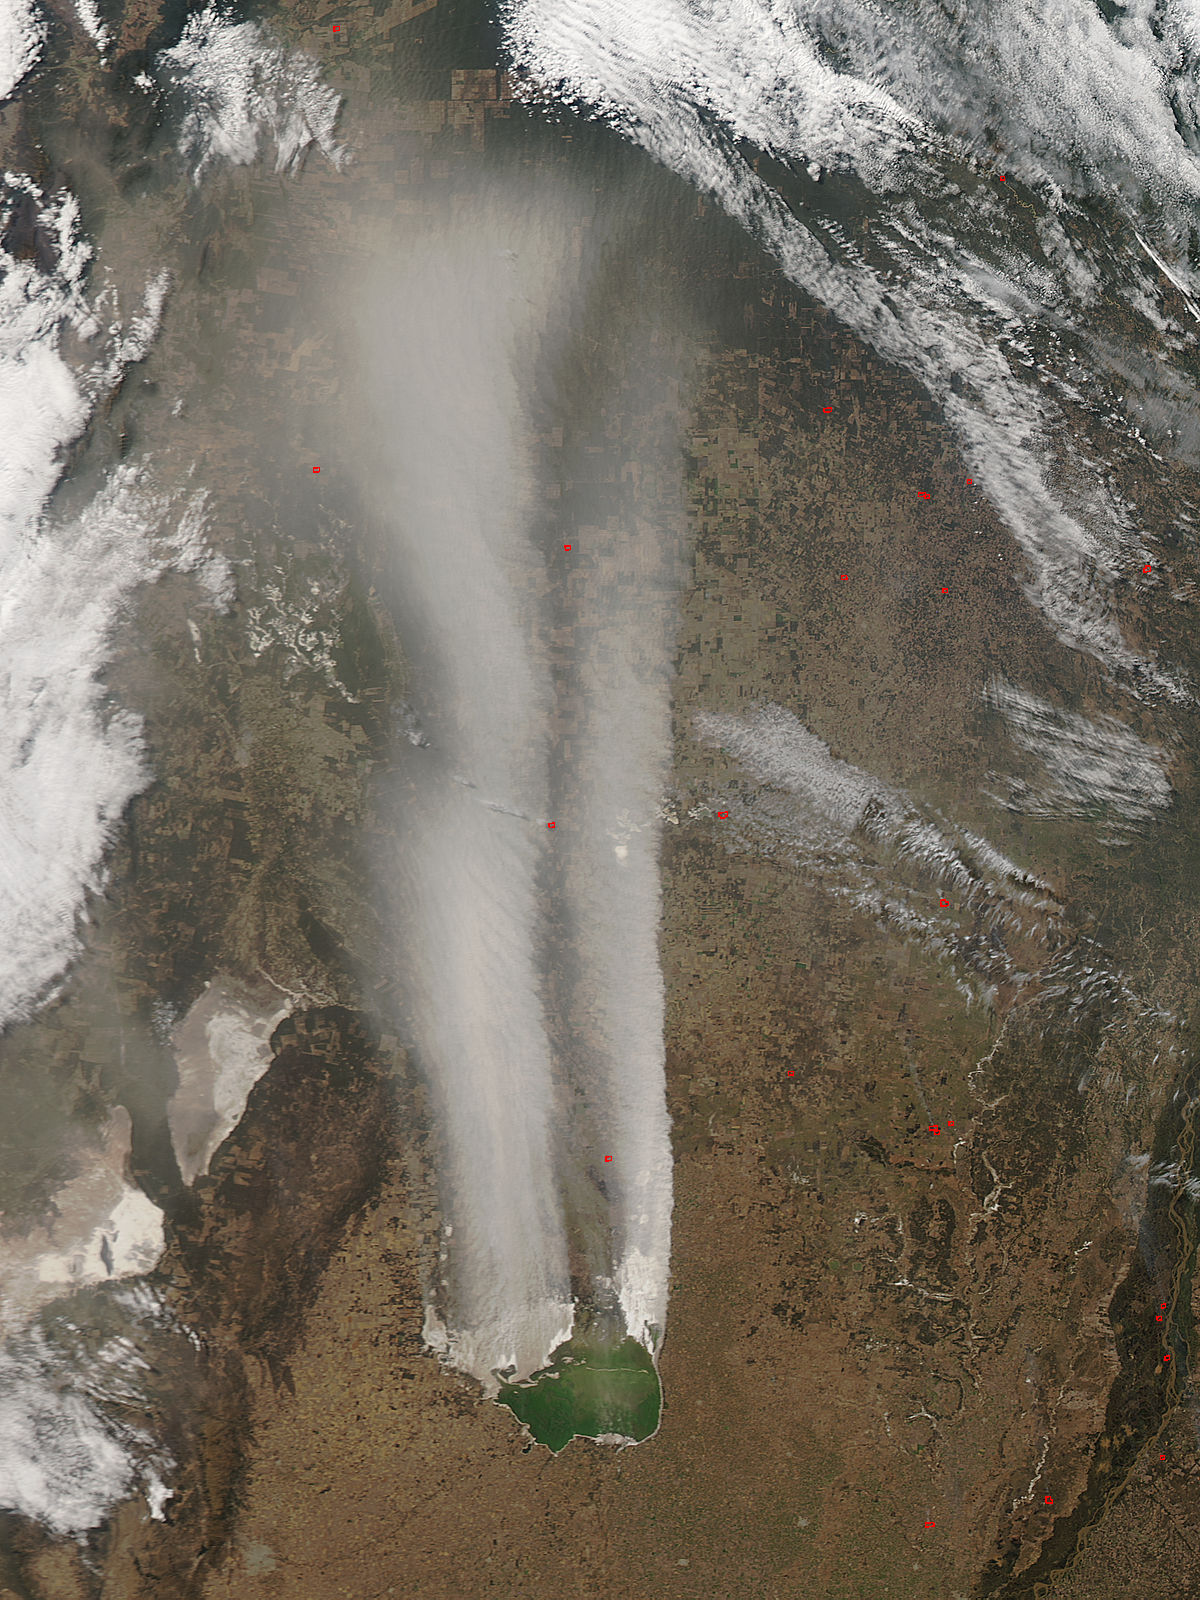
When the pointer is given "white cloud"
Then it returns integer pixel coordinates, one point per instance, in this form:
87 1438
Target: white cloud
72 1444
906 100
237 86
1090 763
22 34
89 17
69 760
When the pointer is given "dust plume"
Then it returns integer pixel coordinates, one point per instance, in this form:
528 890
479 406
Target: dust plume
528 952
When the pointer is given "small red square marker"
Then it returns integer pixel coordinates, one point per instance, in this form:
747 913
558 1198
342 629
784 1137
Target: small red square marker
931 1524
945 590
1162 1458
1002 178
844 576
608 1158
934 1128
1049 1500
1158 1316
1146 568
723 815
1162 1305
566 547
791 1074
828 410
1167 1357
943 902
337 27
316 469
549 824
970 480
923 494
949 1124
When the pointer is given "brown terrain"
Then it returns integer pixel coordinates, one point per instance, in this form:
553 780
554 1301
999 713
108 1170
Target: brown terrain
911 1347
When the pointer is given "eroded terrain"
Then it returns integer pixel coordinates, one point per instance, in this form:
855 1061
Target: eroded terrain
911 1347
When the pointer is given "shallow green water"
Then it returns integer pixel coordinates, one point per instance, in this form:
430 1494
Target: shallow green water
589 1390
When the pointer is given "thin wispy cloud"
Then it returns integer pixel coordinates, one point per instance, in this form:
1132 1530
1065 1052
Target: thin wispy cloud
903 103
870 844
1092 764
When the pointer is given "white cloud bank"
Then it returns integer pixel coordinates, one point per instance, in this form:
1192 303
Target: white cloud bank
238 87
70 761
22 34
918 105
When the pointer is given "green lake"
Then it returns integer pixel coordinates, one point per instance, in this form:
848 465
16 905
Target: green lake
590 1389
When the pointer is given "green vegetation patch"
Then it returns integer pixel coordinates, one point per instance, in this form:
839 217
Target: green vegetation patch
590 1389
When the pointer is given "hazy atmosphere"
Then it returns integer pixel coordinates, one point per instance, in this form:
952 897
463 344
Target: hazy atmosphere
597 851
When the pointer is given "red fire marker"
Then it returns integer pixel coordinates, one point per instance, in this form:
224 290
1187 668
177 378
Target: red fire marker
790 1073
949 1124
1002 178
844 576
566 547
1167 1357
723 815
934 1127
943 902
923 494
1146 568
971 480
337 27
931 1524
945 590
316 469
608 1158
827 410
549 824
1162 1305
1162 1458
1158 1316
1049 1500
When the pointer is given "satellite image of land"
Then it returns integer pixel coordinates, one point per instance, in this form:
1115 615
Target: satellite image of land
599 834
